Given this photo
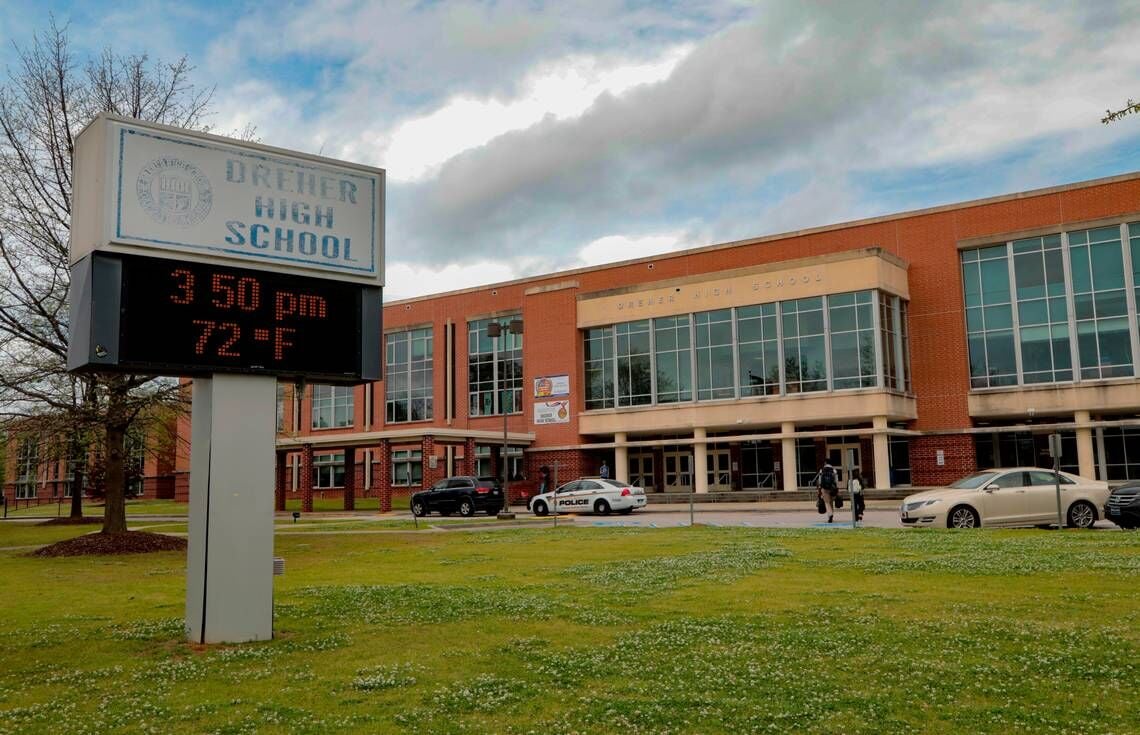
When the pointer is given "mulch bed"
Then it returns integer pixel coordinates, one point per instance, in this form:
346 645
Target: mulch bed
131 542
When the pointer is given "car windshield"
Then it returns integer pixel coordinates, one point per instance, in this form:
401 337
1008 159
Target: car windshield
974 481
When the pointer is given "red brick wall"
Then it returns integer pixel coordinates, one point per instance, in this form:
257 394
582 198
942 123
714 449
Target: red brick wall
958 453
926 241
565 465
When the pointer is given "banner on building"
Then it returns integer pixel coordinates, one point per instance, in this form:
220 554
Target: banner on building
552 386
552 412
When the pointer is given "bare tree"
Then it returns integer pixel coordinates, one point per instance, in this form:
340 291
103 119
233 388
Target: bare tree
45 102
1129 108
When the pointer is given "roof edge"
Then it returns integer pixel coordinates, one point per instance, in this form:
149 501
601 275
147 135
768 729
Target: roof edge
936 209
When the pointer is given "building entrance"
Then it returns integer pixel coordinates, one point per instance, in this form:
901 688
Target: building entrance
844 457
641 470
678 471
719 470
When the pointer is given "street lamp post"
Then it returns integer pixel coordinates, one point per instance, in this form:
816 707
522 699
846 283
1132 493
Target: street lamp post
495 331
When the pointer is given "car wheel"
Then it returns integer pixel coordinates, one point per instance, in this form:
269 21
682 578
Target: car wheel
625 511
466 508
540 508
1081 515
963 516
418 508
602 508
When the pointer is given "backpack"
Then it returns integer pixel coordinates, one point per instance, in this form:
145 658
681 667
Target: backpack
827 478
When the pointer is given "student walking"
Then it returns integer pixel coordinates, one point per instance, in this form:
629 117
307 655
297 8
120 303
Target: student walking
827 488
855 488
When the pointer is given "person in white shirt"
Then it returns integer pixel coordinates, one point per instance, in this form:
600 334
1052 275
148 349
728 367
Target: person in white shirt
855 488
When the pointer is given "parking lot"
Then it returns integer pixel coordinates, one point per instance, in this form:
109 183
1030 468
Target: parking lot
782 514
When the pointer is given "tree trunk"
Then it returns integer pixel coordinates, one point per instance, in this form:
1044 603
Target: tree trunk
77 493
118 421
114 508
76 480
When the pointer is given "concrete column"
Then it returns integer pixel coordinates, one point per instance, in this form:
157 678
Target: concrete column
882 454
788 460
1086 467
621 458
700 460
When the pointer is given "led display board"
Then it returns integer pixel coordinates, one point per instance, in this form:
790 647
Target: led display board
144 314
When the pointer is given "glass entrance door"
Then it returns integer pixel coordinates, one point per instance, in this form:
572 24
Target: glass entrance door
719 474
844 458
678 471
641 470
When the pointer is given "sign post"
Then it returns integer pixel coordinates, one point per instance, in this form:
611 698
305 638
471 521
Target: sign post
235 264
1055 453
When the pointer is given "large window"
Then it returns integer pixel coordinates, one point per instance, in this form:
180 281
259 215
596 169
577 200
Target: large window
672 343
27 468
328 470
280 407
806 465
1121 452
407 467
484 466
1052 309
332 406
715 372
1134 252
851 318
757 466
989 317
600 368
1100 306
633 363
898 450
805 357
742 352
494 369
1042 311
758 350
894 342
408 376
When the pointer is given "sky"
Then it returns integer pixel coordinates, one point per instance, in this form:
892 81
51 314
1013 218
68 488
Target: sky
523 137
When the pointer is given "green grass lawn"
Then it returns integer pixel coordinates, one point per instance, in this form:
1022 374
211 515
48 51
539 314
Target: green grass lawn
94 508
596 630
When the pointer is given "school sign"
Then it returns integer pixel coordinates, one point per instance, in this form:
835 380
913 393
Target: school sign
152 189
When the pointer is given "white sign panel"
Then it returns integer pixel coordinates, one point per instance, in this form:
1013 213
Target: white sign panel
204 197
940 457
552 386
552 412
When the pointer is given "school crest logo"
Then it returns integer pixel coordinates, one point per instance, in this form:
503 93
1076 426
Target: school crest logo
174 192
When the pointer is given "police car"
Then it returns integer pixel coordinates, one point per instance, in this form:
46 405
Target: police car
590 495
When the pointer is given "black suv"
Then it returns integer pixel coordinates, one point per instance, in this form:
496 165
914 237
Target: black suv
463 495
1123 506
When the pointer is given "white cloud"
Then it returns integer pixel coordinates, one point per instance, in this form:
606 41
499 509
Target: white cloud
405 280
614 248
560 91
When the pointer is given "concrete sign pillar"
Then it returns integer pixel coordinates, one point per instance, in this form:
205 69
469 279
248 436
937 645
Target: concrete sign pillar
229 580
